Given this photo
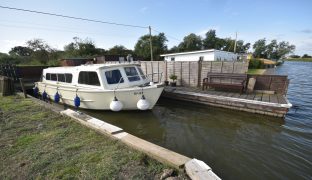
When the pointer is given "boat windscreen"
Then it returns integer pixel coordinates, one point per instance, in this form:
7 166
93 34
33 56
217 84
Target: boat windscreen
113 77
132 74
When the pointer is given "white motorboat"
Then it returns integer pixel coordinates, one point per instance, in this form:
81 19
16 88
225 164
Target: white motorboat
100 87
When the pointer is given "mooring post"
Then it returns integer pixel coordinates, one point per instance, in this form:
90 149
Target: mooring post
23 87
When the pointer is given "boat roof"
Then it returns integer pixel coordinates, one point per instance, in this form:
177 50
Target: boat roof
91 67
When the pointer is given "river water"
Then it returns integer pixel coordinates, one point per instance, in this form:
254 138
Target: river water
236 145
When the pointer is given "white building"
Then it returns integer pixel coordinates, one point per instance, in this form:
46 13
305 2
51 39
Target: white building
204 55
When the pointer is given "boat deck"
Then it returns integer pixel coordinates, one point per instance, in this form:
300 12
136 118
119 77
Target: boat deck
268 104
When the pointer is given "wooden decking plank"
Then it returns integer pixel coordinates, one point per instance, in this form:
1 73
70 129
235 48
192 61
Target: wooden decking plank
224 94
243 96
258 97
236 95
281 99
266 97
273 98
251 96
218 93
230 94
210 92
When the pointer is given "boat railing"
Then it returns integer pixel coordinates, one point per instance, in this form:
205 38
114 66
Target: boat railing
151 76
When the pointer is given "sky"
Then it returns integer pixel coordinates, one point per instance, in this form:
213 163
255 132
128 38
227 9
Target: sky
284 20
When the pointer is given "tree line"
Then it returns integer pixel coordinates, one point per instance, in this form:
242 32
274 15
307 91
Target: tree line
37 51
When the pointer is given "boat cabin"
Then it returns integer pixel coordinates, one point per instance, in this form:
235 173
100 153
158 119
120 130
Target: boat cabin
96 76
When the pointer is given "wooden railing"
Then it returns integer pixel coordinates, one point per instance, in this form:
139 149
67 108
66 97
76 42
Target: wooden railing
276 83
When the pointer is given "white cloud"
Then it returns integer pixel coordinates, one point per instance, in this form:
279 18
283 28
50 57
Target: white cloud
143 9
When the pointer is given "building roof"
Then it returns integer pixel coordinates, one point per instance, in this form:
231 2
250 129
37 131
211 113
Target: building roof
193 52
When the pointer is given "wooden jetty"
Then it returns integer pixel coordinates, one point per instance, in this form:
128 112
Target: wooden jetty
268 104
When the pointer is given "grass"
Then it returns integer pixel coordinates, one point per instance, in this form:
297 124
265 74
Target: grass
300 59
255 71
36 143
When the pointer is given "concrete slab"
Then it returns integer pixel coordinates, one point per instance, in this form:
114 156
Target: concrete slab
159 153
97 124
111 129
198 170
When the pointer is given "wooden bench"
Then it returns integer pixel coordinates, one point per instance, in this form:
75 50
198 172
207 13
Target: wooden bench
225 80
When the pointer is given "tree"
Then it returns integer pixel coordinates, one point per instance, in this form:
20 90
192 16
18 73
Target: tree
259 48
191 42
274 50
295 56
241 47
40 49
119 50
211 40
20 51
81 48
306 56
284 48
174 49
142 47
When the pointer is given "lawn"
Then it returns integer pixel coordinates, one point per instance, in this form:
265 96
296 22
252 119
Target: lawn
255 71
36 143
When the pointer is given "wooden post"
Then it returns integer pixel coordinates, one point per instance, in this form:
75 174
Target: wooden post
158 78
23 87
173 67
189 79
1 85
270 83
166 71
152 71
181 74
199 73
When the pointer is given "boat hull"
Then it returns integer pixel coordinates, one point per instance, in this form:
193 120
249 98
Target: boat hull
101 99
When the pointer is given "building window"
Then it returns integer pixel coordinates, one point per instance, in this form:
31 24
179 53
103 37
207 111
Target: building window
201 58
172 59
113 77
89 78
132 74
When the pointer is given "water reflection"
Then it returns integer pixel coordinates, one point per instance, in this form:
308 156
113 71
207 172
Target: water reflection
237 145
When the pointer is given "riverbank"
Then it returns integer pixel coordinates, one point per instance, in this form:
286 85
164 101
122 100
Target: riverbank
300 59
36 142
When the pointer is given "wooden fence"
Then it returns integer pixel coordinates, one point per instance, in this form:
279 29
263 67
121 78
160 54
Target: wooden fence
190 73
6 86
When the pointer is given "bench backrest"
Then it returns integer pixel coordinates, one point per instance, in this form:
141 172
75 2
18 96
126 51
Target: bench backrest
227 78
227 75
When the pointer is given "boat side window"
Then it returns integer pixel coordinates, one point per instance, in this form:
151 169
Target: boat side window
132 74
68 78
89 78
53 77
141 73
48 76
113 77
61 77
